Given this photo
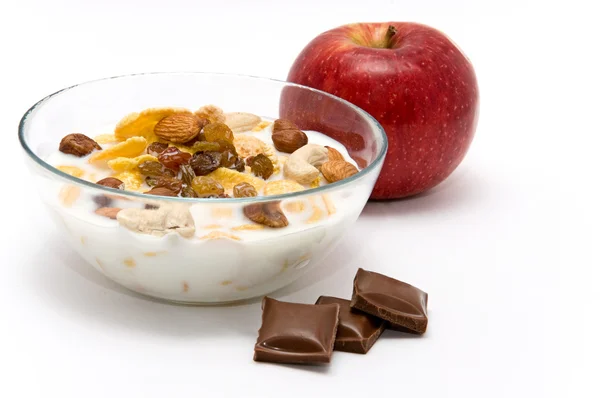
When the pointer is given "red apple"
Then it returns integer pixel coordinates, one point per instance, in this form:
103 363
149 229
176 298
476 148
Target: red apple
415 81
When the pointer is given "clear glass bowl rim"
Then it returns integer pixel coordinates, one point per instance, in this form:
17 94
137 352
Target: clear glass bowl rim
319 190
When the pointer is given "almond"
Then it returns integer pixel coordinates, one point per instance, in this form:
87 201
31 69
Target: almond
160 191
334 154
178 127
78 144
336 170
110 212
269 214
111 182
289 141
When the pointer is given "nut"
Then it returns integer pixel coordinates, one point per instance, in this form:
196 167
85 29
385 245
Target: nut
283 124
78 144
241 121
112 182
178 127
142 124
212 113
161 191
110 212
337 170
334 154
269 214
302 165
289 141
159 222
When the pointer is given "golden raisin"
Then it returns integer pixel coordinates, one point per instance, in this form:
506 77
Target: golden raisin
244 190
188 192
171 183
262 166
207 187
187 174
205 146
218 131
155 169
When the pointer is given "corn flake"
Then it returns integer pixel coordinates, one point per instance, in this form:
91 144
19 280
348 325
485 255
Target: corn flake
296 206
132 179
248 227
142 124
126 164
261 126
279 187
71 170
230 178
329 204
130 148
106 139
220 235
316 183
69 194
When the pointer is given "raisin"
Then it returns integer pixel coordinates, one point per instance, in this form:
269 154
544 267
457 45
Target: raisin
262 166
218 131
206 186
226 146
187 174
171 183
78 145
244 190
102 200
156 148
239 165
204 163
151 181
228 159
188 192
155 169
173 158
205 146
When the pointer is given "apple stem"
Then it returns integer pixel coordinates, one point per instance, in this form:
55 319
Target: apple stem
391 31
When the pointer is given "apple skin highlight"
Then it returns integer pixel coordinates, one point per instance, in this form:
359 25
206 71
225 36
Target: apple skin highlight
415 81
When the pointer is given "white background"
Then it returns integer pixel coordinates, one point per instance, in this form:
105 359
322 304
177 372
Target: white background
507 247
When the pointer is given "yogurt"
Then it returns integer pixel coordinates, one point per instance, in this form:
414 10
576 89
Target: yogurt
228 258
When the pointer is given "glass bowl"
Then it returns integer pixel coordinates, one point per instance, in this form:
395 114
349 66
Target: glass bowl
216 262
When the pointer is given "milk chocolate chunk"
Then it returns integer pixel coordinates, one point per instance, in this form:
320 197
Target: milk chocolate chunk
357 331
402 305
296 333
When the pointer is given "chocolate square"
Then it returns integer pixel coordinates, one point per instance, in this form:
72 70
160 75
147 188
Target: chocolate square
296 333
357 331
402 305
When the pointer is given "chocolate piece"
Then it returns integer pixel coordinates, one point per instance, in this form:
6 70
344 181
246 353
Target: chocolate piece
296 333
402 305
357 331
